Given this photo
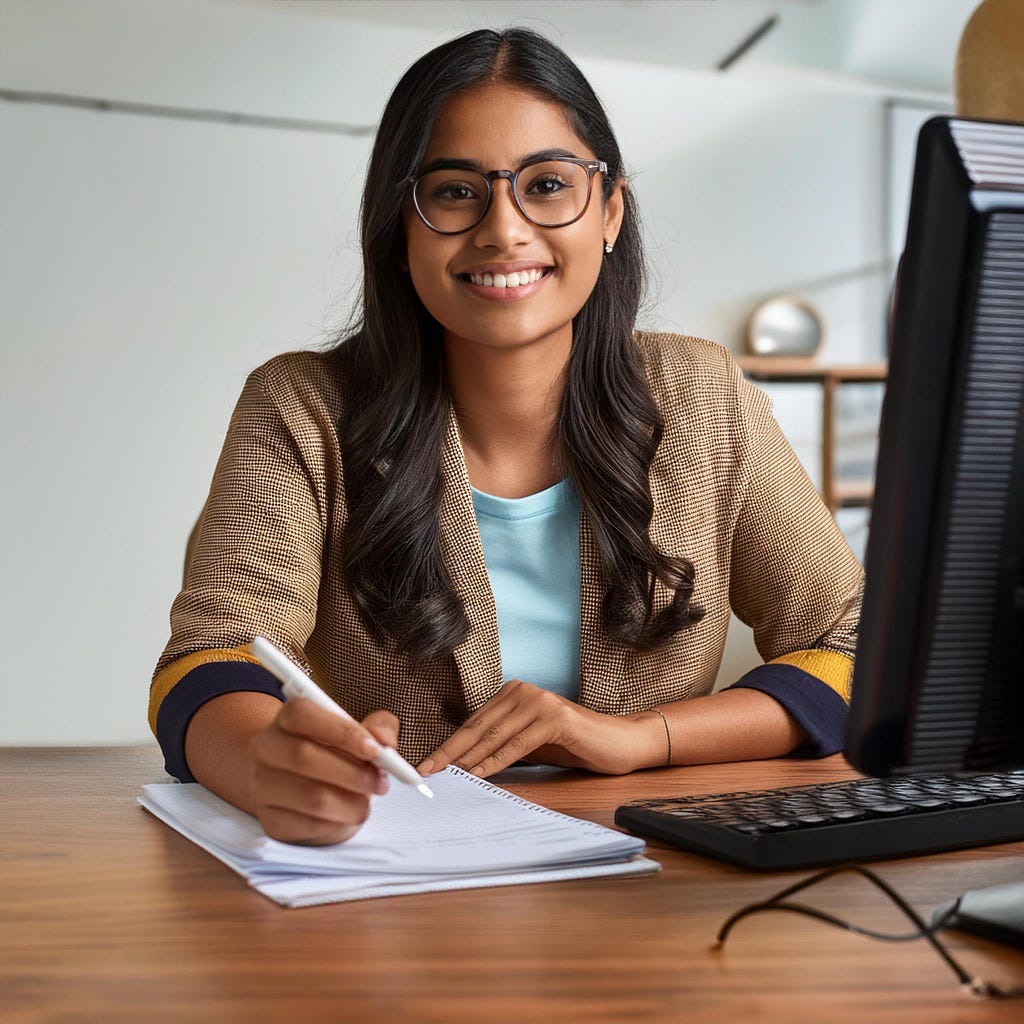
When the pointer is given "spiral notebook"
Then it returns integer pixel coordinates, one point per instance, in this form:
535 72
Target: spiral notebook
472 834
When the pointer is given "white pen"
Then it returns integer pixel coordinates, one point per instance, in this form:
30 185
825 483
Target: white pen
295 683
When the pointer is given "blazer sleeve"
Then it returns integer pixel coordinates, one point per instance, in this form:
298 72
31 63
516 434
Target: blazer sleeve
254 567
794 579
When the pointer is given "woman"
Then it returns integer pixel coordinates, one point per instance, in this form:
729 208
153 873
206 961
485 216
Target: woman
495 515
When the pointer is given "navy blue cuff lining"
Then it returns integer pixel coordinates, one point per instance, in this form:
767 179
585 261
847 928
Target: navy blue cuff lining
815 706
192 691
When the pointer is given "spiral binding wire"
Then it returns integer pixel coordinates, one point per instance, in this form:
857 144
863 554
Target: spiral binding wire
484 784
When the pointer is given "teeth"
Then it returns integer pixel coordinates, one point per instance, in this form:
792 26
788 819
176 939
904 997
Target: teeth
507 280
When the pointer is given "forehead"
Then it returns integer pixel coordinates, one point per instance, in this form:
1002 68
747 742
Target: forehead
498 124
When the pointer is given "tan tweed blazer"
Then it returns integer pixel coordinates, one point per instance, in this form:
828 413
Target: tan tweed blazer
729 494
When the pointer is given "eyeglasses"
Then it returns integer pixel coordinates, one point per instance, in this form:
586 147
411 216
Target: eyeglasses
548 193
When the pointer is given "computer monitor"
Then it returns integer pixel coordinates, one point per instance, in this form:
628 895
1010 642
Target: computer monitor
938 683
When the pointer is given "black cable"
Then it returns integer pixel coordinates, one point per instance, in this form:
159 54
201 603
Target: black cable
978 986
821 915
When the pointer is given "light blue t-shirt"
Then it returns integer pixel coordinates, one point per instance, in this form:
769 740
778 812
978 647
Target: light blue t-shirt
531 548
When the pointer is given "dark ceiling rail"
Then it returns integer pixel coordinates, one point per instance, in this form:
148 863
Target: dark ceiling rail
185 113
762 30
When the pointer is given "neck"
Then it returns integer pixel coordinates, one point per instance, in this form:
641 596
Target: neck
507 400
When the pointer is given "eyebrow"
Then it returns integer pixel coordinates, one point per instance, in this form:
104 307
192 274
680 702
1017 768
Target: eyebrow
475 165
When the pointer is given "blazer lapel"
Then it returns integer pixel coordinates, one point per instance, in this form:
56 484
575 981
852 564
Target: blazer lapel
602 665
478 657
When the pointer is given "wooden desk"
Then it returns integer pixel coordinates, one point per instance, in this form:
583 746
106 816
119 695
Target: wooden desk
109 916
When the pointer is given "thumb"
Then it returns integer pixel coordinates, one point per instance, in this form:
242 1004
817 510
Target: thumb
383 726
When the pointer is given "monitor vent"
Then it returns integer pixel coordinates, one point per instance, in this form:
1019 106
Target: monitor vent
992 154
965 600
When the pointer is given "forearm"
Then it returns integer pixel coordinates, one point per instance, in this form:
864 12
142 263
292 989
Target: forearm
733 725
217 742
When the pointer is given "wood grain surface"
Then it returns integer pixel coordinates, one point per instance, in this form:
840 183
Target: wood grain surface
107 915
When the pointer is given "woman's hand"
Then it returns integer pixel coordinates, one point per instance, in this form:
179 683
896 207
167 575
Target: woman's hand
523 721
312 772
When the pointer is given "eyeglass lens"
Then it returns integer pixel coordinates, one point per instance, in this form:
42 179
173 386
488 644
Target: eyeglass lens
551 193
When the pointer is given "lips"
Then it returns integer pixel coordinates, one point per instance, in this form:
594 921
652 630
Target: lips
507 279
504 287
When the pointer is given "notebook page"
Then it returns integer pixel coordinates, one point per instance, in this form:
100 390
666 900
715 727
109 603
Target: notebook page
471 826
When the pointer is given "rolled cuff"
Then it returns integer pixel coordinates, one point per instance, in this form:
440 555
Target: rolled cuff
814 705
192 691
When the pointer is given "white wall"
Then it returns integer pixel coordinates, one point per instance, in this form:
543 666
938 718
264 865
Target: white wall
149 263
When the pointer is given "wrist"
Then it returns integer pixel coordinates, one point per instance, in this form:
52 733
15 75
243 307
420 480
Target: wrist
651 740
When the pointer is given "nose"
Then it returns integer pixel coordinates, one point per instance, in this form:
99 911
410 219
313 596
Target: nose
503 225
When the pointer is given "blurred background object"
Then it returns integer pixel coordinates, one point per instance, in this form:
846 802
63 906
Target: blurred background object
988 82
784 326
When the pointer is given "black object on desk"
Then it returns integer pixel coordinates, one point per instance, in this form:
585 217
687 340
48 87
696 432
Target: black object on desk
996 912
859 819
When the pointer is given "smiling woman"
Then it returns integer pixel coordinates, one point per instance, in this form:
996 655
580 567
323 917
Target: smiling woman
495 520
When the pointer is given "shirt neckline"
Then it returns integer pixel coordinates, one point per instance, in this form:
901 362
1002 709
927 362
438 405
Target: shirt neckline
560 495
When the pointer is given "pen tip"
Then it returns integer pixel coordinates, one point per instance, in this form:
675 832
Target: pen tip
425 790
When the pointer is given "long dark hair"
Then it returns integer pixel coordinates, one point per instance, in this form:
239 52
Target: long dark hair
396 417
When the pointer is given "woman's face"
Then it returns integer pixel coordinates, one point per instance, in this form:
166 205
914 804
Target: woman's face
496 125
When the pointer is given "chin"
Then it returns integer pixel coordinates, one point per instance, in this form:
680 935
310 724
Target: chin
512 338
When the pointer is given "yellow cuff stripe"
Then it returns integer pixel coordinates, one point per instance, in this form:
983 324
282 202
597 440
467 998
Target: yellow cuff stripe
831 667
172 674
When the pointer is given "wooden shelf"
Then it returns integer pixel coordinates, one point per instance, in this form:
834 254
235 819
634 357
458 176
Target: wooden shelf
852 493
783 369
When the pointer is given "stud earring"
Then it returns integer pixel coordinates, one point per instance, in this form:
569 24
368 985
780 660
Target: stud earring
608 248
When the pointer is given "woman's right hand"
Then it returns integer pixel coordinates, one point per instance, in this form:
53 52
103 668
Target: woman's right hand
312 772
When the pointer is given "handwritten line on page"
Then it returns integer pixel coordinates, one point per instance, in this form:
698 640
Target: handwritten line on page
472 834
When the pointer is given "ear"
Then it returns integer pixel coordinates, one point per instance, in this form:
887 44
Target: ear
613 209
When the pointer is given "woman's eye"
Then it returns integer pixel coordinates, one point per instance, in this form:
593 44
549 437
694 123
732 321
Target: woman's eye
453 192
547 186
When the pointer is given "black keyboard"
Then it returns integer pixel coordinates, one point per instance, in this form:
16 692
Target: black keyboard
859 819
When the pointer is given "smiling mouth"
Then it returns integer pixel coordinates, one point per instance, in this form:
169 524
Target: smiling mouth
508 281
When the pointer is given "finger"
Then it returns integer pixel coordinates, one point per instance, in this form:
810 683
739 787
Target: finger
518 746
497 732
304 718
383 725
289 826
472 729
280 751
512 712
328 804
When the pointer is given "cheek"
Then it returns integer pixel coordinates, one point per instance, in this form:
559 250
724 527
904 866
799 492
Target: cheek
427 261
432 285
585 268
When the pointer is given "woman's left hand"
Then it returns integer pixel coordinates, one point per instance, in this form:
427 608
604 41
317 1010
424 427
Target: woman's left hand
523 721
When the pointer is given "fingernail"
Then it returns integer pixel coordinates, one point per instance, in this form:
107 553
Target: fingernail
382 784
425 766
371 746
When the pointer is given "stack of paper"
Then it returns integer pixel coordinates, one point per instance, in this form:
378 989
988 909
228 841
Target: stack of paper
472 834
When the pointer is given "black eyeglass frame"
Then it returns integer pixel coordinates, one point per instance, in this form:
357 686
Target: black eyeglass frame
592 167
